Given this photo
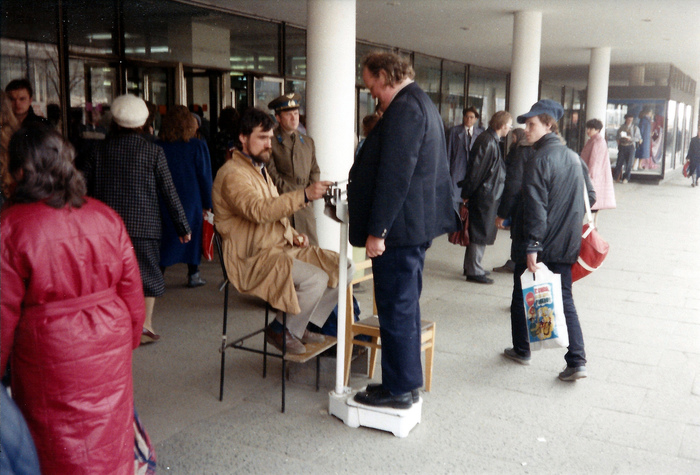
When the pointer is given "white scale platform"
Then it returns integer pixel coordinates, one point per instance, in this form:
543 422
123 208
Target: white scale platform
397 421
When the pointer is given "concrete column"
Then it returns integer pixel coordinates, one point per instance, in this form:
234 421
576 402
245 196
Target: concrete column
330 97
525 66
598 80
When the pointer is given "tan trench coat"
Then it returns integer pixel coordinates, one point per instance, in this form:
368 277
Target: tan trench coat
257 236
293 167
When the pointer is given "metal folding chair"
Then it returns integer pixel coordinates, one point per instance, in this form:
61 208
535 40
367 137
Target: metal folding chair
313 350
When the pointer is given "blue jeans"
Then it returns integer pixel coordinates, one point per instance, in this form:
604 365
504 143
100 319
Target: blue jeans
625 158
576 356
398 282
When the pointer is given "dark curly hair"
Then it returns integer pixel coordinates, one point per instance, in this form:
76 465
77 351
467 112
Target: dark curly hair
254 117
41 164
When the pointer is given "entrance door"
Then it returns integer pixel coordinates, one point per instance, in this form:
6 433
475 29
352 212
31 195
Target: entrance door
203 97
154 85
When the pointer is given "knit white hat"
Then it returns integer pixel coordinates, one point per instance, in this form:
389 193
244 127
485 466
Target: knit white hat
129 111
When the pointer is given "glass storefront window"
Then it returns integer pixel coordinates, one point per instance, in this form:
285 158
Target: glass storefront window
254 45
295 52
365 106
91 26
428 73
36 61
487 92
176 32
266 89
649 116
454 79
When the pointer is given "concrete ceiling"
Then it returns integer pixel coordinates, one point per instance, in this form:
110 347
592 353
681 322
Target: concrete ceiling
481 32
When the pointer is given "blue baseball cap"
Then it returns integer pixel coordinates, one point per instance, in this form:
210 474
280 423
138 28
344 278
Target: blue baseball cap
543 106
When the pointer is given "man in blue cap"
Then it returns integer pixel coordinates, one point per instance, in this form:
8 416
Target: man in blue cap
547 228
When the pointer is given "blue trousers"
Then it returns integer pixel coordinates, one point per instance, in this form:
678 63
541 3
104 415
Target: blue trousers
398 282
576 356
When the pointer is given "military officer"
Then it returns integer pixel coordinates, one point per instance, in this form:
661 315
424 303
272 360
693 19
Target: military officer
293 165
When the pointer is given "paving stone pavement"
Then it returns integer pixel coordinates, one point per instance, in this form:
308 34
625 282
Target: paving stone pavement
638 412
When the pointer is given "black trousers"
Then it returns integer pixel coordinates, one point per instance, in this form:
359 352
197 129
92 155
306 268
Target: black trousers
576 356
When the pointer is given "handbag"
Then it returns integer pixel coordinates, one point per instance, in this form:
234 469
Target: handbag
544 309
144 453
686 169
594 248
461 237
208 236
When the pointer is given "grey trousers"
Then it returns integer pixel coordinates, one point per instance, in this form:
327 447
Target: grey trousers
472 259
316 299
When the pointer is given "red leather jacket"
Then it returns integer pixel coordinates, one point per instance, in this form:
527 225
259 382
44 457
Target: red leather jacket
72 312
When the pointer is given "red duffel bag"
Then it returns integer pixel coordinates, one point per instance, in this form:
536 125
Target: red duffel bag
593 251
593 247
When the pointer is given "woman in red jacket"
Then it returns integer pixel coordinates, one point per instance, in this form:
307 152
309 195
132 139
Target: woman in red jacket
72 311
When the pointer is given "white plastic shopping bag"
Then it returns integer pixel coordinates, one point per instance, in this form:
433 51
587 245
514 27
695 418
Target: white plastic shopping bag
544 309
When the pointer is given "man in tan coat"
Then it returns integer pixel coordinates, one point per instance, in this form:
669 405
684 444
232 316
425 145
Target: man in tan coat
265 256
293 165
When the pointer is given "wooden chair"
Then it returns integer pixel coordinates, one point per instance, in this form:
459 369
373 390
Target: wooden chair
370 326
312 349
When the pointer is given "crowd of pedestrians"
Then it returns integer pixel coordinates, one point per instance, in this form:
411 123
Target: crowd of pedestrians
134 206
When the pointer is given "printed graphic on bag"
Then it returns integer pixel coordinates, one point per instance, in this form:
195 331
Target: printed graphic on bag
540 313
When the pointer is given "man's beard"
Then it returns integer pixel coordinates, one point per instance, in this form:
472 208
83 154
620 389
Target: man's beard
262 158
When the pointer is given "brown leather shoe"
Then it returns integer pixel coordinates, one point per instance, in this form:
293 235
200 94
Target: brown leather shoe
312 337
294 346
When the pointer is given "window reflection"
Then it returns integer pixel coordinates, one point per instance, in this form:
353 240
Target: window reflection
428 73
454 76
295 52
487 91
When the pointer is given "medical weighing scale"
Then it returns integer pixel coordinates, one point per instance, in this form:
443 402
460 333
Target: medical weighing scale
341 403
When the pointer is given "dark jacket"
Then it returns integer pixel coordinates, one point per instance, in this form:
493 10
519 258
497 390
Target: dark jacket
553 205
483 186
511 199
32 118
128 173
458 154
400 187
694 151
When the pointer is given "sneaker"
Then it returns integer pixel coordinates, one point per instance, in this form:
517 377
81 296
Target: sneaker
625 180
512 355
195 280
572 373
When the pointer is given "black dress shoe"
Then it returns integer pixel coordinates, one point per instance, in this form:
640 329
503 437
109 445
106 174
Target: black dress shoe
377 387
479 279
383 398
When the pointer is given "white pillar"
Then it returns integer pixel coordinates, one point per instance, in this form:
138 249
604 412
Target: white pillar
525 65
330 97
598 79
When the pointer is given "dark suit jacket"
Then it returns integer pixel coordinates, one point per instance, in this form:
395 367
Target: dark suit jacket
128 173
458 154
400 186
